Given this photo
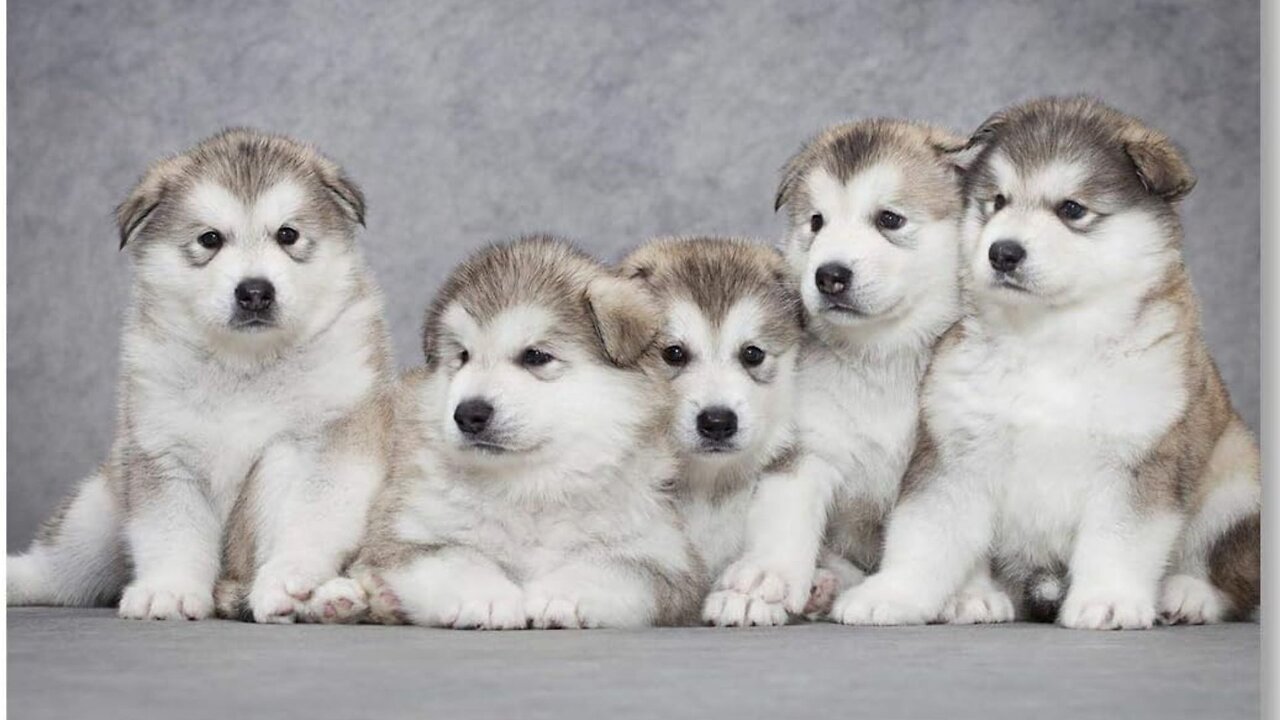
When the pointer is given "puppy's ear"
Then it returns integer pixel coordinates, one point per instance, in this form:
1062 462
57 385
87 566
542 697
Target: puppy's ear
132 214
344 191
625 315
1161 167
962 154
792 173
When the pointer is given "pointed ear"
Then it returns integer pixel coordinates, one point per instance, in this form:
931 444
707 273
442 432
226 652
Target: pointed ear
1161 167
625 315
132 214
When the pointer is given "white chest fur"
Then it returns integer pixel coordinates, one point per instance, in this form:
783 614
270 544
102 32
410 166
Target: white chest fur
1043 420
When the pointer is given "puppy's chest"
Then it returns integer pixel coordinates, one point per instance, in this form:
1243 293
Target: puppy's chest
716 525
219 423
1037 408
860 418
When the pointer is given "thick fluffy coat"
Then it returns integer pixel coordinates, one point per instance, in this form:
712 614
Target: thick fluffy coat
1074 424
254 410
874 210
533 475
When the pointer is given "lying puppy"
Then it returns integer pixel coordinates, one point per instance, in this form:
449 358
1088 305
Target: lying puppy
1076 421
729 342
874 209
253 426
533 472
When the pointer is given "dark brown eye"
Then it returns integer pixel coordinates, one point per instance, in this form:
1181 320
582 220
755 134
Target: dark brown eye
463 357
286 235
751 356
1071 210
999 202
674 355
211 240
533 357
889 220
816 222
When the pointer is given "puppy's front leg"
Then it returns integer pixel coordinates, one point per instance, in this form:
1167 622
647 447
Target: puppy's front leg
453 587
310 512
785 525
933 540
1119 557
174 539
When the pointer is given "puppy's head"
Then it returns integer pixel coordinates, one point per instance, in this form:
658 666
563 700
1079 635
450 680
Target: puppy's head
1070 200
537 353
244 241
729 341
874 208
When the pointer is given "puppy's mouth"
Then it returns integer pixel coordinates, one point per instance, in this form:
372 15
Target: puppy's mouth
1010 282
491 447
250 322
716 447
842 308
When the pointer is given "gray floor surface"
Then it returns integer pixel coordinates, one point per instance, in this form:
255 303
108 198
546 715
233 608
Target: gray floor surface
86 663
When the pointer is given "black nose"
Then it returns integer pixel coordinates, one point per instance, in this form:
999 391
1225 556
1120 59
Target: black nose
1006 254
832 278
717 423
255 294
472 415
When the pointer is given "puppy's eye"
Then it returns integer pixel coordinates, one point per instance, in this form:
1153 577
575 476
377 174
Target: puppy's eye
889 220
211 240
463 357
816 222
999 202
533 357
1071 210
286 235
751 356
674 355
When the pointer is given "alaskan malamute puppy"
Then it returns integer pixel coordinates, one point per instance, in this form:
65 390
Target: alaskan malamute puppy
533 476
874 209
253 425
1075 424
729 341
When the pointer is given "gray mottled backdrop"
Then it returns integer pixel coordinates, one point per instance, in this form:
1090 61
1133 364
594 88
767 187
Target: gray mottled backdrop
468 121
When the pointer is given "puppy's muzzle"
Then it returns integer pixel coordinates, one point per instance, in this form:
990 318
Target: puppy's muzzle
1006 255
717 424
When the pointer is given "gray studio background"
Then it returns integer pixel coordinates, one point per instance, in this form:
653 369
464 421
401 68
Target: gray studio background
467 122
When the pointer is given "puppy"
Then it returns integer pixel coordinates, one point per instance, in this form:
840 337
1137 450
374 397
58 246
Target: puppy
533 472
729 340
874 210
1074 424
254 407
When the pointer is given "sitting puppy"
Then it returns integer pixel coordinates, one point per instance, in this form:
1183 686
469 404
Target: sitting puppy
1076 421
533 472
254 401
729 342
874 209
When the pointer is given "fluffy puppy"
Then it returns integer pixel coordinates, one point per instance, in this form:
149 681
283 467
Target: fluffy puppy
533 471
874 210
1074 425
729 340
253 422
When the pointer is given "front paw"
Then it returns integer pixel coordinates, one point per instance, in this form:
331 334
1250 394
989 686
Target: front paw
1188 600
973 607
280 593
500 610
166 600
384 603
1107 610
340 600
881 601
730 608
774 584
